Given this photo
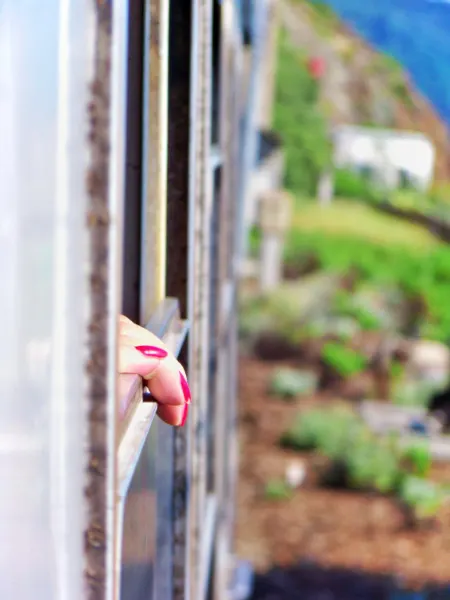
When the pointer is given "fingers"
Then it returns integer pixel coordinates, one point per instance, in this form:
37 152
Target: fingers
164 378
142 353
173 415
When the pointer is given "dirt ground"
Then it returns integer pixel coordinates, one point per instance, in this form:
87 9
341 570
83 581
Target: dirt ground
331 528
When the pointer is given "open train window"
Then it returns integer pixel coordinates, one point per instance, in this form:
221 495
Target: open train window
156 210
134 162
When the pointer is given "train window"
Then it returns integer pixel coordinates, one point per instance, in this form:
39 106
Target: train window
148 466
215 58
134 158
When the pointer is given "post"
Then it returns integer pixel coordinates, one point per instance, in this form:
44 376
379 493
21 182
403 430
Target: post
325 188
275 214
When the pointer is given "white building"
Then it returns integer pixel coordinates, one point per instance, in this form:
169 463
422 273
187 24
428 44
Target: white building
393 157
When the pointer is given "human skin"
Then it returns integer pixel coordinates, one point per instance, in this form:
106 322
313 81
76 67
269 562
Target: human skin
142 353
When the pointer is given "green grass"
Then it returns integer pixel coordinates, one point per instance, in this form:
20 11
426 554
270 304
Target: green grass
347 218
344 361
381 249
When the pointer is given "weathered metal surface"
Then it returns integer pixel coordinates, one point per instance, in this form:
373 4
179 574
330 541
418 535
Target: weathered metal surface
201 197
100 467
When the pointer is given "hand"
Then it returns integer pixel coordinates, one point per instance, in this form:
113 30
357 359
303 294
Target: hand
142 353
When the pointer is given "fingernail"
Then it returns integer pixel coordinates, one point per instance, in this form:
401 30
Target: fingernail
185 388
185 414
152 351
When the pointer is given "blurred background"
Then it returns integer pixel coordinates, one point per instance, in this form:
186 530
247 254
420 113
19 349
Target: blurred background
344 405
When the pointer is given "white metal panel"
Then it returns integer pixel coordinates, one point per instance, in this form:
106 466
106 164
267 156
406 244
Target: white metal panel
45 66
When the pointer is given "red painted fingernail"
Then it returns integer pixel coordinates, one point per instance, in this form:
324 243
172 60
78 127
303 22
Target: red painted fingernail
185 388
152 351
185 414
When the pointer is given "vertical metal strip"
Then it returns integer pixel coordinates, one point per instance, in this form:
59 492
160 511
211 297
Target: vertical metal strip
116 201
105 185
98 469
252 118
226 386
199 355
235 116
154 217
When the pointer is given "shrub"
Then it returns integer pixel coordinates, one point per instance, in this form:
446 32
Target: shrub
347 306
421 275
317 429
353 185
360 460
299 121
418 455
342 437
288 383
344 361
423 497
373 464
440 193
412 393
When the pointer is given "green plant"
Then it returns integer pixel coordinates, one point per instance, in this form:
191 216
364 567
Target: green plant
289 383
423 497
412 393
341 327
344 361
342 437
363 461
396 370
440 193
418 455
346 305
353 185
423 274
373 464
324 430
277 490
254 241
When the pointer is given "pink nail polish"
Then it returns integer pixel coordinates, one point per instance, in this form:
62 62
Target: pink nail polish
152 351
185 414
185 388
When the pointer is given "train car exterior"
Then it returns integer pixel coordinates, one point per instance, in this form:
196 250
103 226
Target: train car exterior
128 140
